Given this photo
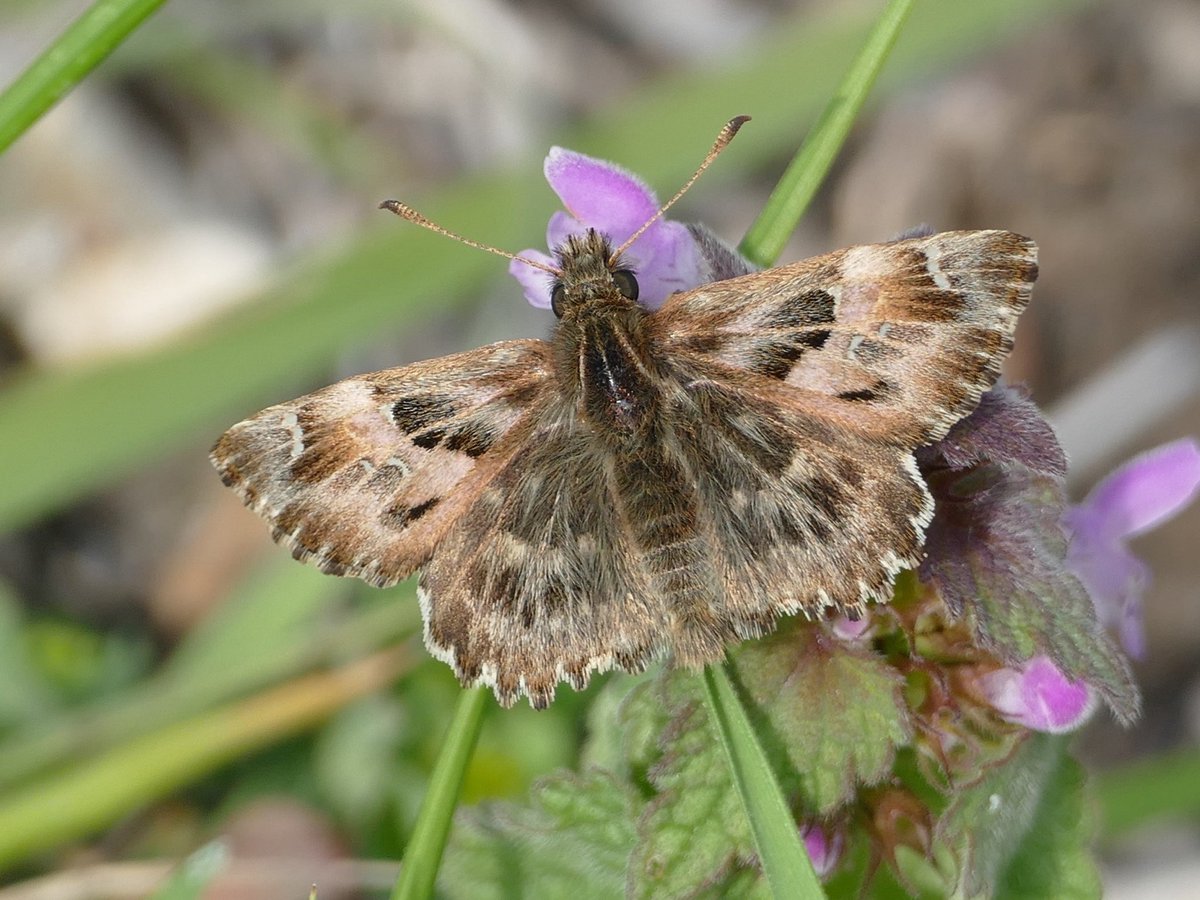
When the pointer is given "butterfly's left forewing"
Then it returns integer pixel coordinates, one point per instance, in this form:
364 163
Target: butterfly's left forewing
364 477
894 341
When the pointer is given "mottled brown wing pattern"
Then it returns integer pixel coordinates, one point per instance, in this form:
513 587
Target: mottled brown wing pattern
894 341
582 555
799 514
364 477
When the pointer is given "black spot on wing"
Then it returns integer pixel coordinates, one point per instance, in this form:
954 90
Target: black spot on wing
401 516
420 411
427 440
804 310
778 355
472 439
823 494
880 390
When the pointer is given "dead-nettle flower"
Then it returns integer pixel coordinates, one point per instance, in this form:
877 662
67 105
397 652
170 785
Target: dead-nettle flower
1138 496
1039 696
603 196
824 845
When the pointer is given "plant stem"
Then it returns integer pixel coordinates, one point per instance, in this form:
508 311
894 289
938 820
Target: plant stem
424 852
784 860
78 50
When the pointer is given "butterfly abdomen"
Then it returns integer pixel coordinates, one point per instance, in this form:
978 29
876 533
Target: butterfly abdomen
660 506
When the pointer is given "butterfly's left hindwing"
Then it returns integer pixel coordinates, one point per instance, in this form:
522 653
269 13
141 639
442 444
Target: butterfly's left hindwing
364 477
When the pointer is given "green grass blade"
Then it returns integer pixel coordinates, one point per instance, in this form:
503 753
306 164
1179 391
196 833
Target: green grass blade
91 795
196 873
770 232
185 688
784 860
424 852
77 51
1160 788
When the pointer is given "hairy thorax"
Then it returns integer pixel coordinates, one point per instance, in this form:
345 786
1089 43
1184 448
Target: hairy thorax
602 343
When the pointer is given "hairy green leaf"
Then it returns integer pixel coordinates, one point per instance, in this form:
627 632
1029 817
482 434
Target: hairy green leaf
573 839
694 831
830 714
1023 829
996 552
1054 859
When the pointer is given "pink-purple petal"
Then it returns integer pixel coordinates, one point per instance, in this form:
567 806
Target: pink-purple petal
1039 696
666 259
561 226
535 282
1115 580
599 193
1142 493
616 203
850 630
824 847
1148 489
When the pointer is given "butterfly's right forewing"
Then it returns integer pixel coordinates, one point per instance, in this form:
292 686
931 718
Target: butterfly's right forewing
365 477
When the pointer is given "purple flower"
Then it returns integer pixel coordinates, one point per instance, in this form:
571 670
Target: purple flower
615 202
1139 495
824 846
1039 696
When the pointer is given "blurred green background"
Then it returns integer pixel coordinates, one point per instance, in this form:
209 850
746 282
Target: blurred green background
192 235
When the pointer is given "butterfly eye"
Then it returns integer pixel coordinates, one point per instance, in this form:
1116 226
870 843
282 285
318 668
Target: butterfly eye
626 283
558 296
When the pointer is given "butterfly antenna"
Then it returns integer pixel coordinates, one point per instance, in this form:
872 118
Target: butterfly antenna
404 211
722 141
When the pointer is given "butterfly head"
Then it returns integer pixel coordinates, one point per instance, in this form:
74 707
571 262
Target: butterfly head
590 272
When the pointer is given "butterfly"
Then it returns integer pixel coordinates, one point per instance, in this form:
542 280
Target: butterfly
647 483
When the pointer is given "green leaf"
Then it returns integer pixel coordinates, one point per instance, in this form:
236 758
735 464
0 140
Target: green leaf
355 756
643 718
82 798
1055 858
695 830
1159 787
1023 830
996 551
830 714
171 696
573 839
277 605
25 695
